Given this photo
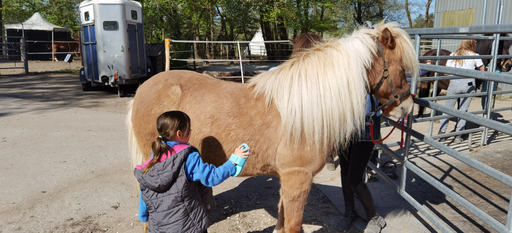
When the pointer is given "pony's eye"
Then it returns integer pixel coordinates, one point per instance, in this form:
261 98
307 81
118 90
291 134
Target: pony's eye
403 69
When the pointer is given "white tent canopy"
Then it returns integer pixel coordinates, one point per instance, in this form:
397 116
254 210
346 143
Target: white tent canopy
256 45
37 22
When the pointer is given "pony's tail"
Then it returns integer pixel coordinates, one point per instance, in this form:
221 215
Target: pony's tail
133 146
146 226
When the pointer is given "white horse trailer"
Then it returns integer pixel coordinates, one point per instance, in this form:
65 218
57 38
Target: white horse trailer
113 49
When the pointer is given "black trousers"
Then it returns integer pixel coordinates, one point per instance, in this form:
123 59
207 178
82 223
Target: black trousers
353 162
354 159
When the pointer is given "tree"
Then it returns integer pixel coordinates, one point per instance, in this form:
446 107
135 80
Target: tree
408 13
419 22
63 13
21 10
426 13
354 13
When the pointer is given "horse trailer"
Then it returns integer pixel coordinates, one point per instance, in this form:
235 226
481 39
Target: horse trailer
112 38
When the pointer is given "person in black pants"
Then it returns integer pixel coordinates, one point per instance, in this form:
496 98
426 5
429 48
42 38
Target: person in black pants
353 162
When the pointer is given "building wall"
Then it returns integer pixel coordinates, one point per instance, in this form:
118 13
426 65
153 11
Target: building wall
452 13
444 7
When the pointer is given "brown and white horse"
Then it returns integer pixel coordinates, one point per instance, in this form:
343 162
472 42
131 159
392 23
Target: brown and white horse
292 117
73 46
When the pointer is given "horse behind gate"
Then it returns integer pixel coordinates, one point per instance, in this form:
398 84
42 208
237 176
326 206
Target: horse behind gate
483 47
73 46
292 117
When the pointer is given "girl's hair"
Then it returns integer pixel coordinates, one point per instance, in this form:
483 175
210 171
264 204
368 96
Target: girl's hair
305 41
167 125
465 48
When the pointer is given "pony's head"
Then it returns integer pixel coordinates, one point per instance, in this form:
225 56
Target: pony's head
395 58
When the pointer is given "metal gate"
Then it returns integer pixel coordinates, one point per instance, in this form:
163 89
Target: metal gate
486 124
13 52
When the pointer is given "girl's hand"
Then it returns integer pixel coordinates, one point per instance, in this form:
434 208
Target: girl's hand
242 153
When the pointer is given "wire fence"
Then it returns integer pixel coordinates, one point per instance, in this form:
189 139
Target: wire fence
41 48
191 54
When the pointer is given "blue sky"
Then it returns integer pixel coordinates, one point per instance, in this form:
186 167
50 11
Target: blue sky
418 7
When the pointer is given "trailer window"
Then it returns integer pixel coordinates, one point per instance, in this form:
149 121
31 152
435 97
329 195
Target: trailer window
110 25
134 15
86 16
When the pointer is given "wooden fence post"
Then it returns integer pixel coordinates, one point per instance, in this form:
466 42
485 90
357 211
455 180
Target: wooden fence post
167 54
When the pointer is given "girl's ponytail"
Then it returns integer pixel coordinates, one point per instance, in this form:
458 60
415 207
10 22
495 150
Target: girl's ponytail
160 148
167 125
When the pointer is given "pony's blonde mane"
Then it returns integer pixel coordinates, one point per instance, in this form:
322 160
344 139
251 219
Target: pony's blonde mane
320 93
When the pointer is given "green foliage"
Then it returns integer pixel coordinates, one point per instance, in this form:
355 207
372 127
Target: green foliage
420 21
21 10
229 19
62 13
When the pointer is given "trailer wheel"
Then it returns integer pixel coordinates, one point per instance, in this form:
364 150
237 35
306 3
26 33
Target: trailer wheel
86 86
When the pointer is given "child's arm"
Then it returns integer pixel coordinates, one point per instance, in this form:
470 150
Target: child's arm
143 209
209 175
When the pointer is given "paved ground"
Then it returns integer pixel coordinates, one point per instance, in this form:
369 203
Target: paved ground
65 170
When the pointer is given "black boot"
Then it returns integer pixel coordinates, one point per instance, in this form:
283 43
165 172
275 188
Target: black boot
375 222
350 207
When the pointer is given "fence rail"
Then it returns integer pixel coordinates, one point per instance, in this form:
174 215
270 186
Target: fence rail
188 53
59 46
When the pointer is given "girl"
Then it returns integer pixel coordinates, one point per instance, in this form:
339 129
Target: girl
461 86
175 182
353 162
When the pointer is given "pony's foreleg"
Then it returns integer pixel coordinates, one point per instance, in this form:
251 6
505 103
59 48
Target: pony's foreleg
295 186
55 53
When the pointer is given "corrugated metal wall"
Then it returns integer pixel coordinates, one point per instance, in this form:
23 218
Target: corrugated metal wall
478 5
452 10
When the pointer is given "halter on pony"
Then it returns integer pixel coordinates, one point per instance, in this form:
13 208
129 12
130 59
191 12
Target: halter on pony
396 97
385 75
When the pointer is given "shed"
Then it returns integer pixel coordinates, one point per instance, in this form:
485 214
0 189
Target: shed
38 32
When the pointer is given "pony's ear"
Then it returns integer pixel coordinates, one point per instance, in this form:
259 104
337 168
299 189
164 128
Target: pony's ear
387 39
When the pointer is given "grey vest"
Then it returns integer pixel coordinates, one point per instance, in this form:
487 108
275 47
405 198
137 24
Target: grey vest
174 203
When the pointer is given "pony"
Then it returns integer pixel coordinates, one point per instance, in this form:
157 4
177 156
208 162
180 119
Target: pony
72 45
292 117
424 86
483 47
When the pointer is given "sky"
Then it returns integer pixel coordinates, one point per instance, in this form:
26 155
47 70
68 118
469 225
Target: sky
418 7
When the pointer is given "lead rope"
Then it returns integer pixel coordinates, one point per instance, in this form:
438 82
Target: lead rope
378 142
